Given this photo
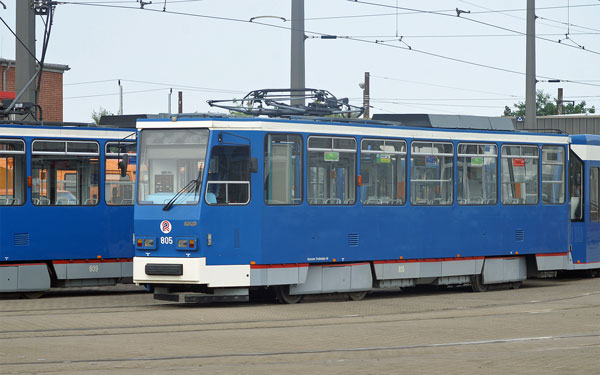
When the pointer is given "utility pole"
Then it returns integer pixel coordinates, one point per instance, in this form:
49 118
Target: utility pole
559 101
120 99
366 94
25 50
297 50
530 90
180 102
169 106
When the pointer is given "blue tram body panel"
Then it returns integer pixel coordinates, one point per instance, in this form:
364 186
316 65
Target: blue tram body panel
61 217
585 226
242 236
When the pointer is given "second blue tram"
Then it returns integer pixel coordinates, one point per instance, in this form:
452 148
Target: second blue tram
309 206
66 207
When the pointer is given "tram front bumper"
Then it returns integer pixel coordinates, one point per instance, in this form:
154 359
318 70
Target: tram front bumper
153 270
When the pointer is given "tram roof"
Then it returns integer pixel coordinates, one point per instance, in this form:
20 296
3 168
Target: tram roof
64 131
331 126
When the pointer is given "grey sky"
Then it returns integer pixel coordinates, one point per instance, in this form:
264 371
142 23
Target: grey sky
216 58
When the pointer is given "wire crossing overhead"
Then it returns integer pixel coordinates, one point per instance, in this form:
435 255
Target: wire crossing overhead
277 103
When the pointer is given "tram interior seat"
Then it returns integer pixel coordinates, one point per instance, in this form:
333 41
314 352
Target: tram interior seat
90 202
333 201
44 201
8 201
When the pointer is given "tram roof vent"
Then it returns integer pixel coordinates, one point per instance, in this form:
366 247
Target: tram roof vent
423 120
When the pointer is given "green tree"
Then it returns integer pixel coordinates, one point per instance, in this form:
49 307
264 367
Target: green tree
548 107
101 112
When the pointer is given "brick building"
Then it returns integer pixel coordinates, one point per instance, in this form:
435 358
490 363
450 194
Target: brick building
51 93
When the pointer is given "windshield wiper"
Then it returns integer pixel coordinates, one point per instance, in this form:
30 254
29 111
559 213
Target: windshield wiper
195 183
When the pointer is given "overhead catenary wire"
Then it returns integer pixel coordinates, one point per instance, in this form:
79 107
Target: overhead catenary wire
354 39
475 21
324 34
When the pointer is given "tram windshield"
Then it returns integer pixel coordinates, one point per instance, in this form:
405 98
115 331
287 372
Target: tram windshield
170 159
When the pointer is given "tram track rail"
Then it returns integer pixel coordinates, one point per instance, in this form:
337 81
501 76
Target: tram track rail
514 340
147 329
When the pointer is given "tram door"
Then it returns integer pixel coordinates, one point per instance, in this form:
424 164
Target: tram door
593 224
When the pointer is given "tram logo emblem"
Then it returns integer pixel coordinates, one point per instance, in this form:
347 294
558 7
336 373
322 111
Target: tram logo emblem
165 226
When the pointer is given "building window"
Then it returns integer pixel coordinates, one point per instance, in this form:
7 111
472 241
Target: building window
477 174
331 170
382 172
520 174
431 173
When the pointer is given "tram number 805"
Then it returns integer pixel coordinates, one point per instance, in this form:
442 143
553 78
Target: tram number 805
166 240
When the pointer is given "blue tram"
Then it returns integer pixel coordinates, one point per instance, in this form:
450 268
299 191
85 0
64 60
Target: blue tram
308 206
585 193
66 204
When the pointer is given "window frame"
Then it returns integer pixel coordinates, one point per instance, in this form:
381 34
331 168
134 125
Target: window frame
594 189
113 155
67 153
574 158
520 156
14 153
302 177
227 182
466 155
374 152
452 178
332 149
564 172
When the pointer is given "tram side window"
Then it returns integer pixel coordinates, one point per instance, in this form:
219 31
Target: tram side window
576 186
331 170
553 174
65 173
12 172
520 174
283 169
383 172
477 174
118 190
594 194
431 173
229 175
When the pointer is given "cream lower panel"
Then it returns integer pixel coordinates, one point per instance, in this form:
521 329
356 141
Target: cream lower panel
195 271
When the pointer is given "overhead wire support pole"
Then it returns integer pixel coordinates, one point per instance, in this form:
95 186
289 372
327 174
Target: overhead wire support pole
297 68
530 76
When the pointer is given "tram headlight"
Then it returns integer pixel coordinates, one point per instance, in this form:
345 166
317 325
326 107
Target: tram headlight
146 243
186 243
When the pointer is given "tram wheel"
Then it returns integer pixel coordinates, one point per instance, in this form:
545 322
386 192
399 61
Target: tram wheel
593 273
477 284
33 295
357 296
282 292
515 284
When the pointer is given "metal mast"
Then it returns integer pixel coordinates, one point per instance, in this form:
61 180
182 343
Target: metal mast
530 90
297 50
